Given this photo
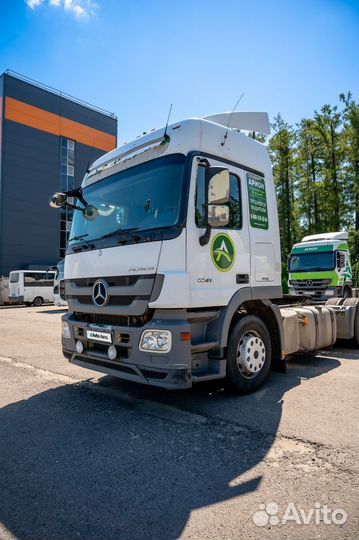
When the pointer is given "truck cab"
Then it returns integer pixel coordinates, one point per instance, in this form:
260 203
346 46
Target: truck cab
319 267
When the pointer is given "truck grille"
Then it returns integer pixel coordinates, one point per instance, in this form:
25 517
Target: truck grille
310 284
114 320
127 296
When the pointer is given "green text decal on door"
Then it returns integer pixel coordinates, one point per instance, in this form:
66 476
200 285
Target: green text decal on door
223 252
258 212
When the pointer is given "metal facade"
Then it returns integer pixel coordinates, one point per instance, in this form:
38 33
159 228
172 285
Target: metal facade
33 122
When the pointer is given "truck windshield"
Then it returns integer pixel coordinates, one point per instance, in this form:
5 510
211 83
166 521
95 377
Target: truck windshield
311 262
144 197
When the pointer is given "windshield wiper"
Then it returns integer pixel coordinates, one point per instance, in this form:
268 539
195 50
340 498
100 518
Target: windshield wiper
119 231
80 237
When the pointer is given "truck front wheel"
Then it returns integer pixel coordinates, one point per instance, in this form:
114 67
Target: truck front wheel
248 355
37 302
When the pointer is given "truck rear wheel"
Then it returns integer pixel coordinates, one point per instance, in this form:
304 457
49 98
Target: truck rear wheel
37 302
248 355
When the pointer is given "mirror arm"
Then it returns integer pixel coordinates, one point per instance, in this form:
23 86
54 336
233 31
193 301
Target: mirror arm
204 239
74 207
78 194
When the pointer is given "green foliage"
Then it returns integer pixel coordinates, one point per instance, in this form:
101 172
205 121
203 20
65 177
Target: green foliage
316 175
285 276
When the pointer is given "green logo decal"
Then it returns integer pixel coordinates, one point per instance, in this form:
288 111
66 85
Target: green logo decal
223 252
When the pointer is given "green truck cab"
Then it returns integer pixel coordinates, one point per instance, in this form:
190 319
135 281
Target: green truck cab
319 267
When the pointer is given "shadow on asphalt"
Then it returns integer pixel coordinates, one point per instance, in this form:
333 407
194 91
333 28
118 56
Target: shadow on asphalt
82 464
54 311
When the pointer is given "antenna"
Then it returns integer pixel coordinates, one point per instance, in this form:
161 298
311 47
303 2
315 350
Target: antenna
229 120
168 118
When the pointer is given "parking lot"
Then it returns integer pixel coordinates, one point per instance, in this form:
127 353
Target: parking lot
84 455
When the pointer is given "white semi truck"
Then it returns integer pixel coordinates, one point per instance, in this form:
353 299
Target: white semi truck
173 268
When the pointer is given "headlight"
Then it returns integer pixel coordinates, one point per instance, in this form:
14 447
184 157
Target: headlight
329 292
292 291
156 341
66 333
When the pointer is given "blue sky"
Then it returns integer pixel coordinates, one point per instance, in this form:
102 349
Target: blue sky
136 57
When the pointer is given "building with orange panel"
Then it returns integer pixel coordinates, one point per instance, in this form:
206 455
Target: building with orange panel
47 141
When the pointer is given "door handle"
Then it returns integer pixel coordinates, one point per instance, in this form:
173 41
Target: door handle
242 278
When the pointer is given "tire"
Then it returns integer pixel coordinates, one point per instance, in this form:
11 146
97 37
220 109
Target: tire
247 373
37 302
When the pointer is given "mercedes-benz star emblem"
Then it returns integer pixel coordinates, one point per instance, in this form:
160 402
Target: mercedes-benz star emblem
100 293
309 283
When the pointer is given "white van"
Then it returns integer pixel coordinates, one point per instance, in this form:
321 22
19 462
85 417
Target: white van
31 287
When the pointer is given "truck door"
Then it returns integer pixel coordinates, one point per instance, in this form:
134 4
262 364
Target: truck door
222 266
261 235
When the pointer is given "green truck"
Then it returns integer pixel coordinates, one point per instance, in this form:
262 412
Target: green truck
319 267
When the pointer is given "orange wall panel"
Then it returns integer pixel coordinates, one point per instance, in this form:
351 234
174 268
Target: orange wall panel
37 118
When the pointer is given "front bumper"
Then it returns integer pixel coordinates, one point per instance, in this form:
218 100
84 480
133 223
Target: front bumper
170 370
318 295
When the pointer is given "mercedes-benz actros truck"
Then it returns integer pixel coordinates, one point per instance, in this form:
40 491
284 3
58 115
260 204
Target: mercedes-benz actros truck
319 267
173 268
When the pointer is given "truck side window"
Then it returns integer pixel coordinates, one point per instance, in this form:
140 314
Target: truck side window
235 202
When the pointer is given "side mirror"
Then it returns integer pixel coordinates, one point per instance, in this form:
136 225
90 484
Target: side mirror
218 215
58 200
342 260
217 180
90 212
62 200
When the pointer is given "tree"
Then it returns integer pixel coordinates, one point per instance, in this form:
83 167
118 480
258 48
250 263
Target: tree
327 124
351 149
308 166
282 154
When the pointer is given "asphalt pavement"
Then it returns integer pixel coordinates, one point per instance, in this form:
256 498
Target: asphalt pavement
88 456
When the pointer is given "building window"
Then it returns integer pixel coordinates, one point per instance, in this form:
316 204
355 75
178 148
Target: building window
67 182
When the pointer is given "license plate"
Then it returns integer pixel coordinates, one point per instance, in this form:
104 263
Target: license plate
95 335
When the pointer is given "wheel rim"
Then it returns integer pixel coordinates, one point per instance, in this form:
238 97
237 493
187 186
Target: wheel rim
251 354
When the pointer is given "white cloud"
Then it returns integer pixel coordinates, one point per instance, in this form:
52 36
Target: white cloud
79 8
34 3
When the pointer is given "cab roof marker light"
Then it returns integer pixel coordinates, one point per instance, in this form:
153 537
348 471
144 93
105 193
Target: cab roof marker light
133 152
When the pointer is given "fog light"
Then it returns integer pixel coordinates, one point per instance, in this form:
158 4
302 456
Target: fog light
112 352
66 333
79 347
156 341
